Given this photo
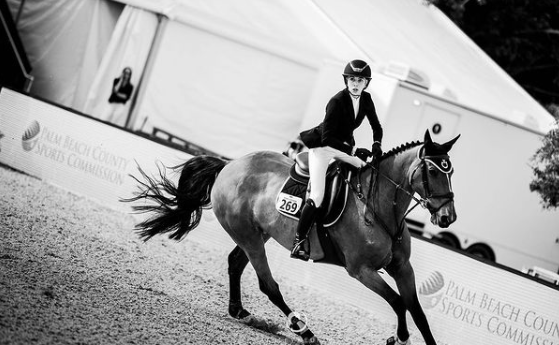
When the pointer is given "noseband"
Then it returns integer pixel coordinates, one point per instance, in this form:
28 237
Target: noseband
440 162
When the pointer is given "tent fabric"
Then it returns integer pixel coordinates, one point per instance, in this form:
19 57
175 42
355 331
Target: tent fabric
288 42
228 82
65 40
222 95
236 76
129 47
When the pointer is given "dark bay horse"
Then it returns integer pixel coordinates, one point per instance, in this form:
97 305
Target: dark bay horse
371 233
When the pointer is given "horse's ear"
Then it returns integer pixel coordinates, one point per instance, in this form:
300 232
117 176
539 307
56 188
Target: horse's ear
427 137
447 146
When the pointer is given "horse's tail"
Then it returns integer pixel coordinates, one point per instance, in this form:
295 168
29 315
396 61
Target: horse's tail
176 210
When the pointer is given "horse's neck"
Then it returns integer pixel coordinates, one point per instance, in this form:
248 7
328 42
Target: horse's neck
397 169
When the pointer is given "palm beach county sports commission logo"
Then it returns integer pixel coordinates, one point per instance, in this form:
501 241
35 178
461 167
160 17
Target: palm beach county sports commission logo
69 150
495 313
431 290
31 136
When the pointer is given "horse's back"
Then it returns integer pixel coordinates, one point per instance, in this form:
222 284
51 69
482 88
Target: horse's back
245 190
256 169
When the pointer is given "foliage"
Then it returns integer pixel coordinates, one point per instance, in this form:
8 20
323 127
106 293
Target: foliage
521 36
546 169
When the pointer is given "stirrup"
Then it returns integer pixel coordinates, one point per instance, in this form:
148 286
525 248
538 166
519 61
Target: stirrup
299 252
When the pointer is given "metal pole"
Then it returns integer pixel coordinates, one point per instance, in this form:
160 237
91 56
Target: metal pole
138 95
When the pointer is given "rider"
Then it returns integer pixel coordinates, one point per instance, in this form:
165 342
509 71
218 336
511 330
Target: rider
333 139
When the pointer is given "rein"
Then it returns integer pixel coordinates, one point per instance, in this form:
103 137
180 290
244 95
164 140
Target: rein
444 167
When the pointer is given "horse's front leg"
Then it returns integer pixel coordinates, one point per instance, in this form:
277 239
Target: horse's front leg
372 280
405 281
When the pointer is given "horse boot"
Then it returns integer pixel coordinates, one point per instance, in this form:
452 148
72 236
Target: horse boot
308 216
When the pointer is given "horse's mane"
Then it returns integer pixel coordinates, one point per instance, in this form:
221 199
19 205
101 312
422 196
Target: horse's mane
401 149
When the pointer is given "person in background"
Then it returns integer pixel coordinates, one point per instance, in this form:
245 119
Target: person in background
333 139
120 94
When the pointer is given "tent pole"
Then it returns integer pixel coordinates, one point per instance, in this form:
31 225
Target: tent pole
19 11
148 67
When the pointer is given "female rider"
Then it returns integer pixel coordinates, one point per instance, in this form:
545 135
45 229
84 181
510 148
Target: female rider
333 139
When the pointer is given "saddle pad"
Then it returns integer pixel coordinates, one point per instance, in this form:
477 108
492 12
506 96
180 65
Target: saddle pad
291 197
289 203
293 194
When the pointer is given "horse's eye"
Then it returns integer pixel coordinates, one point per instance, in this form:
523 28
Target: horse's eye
433 172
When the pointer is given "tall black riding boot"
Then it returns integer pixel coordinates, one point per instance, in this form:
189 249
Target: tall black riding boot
308 216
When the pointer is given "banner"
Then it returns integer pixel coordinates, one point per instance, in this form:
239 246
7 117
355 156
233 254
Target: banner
77 153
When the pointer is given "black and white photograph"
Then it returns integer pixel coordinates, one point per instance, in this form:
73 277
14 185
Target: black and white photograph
279 172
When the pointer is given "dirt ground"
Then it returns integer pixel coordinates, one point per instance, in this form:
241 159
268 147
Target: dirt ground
73 272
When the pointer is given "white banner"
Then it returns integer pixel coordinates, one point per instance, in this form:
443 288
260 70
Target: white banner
475 303
75 152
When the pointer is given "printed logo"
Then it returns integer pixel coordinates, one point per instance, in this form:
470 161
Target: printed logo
431 290
30 137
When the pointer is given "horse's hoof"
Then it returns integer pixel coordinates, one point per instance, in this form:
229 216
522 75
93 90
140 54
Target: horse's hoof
396 341
239 314
311 341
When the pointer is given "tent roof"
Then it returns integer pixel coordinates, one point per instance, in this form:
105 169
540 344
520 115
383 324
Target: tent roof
380 31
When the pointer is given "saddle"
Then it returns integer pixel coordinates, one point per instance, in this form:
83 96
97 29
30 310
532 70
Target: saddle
294 193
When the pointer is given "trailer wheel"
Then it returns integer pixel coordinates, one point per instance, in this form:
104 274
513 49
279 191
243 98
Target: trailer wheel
481 250
448 239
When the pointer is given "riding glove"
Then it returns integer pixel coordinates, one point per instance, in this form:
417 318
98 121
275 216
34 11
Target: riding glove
376 150
363 154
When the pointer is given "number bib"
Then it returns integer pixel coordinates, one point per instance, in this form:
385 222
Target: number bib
288 204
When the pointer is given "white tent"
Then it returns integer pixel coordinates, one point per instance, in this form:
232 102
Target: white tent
237 76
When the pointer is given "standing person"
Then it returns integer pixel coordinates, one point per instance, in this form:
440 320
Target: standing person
120 94
333 139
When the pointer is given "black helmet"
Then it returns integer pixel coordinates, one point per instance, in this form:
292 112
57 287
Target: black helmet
357 68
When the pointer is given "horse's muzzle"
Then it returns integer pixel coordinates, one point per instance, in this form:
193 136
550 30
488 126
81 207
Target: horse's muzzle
444 215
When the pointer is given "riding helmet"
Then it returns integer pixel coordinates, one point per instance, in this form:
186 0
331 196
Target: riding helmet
357 68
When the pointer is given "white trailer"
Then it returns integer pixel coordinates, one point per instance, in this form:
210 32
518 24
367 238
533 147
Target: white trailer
498 217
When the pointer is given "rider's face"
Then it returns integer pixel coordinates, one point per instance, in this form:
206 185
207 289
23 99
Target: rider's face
356 85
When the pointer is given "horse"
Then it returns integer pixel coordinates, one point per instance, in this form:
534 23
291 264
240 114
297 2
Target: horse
371 233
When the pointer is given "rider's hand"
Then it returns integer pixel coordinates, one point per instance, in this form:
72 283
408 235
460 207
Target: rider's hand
376 150
363 154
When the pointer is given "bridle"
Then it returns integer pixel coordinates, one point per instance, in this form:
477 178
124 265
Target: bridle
440 162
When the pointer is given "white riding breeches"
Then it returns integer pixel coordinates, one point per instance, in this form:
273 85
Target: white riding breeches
319 158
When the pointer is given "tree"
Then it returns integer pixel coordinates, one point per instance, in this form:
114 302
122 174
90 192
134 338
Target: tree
521 36
546 169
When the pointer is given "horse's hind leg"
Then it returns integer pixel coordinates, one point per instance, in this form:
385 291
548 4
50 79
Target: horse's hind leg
270 288
237 263
371 279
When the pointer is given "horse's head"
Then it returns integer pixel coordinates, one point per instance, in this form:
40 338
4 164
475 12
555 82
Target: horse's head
431 179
